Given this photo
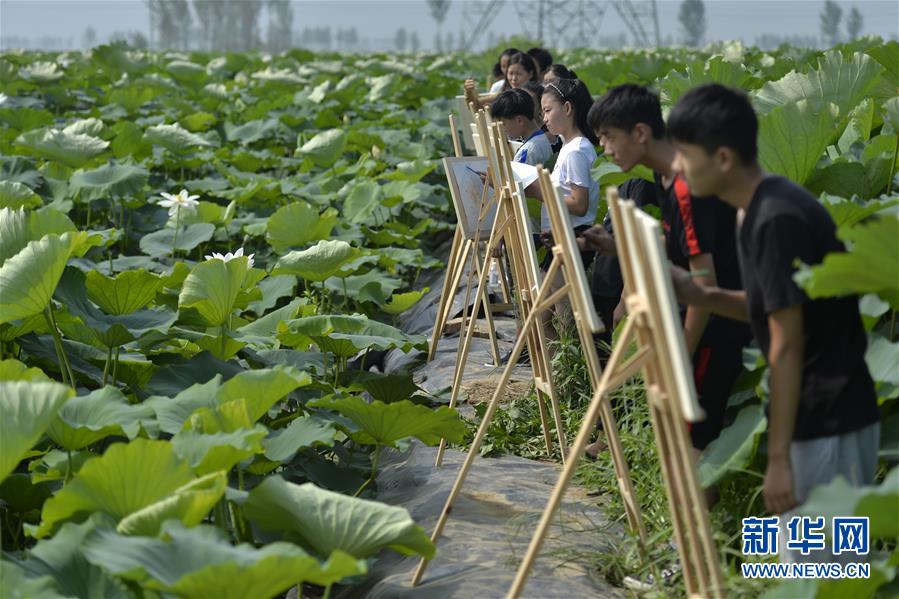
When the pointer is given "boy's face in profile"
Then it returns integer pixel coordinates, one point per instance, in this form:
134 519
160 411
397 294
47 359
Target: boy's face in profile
516 127
700 169
624 148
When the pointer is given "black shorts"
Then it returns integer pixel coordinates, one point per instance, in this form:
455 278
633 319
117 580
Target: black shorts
715 369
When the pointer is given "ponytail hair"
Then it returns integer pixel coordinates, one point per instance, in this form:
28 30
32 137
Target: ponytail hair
560 71
575 92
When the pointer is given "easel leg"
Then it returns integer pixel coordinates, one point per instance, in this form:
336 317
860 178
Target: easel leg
485 424
454 268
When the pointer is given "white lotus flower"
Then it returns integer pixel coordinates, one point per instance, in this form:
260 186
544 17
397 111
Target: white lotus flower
180 200
229 256
3 98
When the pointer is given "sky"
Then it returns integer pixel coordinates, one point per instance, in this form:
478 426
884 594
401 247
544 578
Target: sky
379 19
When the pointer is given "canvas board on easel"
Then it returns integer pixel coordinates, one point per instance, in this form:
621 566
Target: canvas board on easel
467 189
466 121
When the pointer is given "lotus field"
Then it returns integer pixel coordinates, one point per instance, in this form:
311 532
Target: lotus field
202 255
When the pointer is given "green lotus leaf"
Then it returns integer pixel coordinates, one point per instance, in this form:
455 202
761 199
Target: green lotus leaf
253 131
85 420
325 148
374 286
273 289
325 521
891 113
363 204
161 242
262 388
201 563
848 212
71 149
108 181
793 136
17 585
173 412
61 559
870 265
14 195
385 424
132 97
844 82
882 358
387 388
13 370
306 431
400 302
346 335
125 479
297 224
189 504
18 227
90 126
212 287
26 410
125 293
213 452
734 447
28 279
319 262
175 138
188 73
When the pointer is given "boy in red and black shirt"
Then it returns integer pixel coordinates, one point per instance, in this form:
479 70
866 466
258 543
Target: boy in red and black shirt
699 236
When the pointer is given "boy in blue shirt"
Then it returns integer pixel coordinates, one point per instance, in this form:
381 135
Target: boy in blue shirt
515 109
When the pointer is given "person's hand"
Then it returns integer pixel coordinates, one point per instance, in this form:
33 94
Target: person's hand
618 314
777 489
597 238
685 288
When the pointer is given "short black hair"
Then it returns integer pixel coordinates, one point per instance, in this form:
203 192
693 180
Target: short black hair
534 88
542 56
509 52
575 92
560 71
512 103
712 116
624 106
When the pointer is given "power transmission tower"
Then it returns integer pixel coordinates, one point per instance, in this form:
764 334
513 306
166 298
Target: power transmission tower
477 17
549 20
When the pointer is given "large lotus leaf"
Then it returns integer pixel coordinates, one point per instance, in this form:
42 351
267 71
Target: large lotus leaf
734 448
891 113
273 289
127 478
849 212
175 138
877 502
261 332
87 419
792 137
252 131
108 181
870 266
212 287
385 424
125 293
201 563
363 204
61 559
189 504
173 412
187 72
26 410
319 262
90 126
297 224
132 96
110 330
163 241
388 388
227 417
715 70
400 302
17 585
843 82
18 227
882 358
374 286
325 148
262 388
28 279
212 452
71 149
306 431
14 195
13 370
347 335
325 521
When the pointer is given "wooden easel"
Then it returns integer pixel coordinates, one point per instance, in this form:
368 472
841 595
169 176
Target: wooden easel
565 261
652 324
511 226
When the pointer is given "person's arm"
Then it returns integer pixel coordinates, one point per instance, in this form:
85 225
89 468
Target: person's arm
578 201
702 266
597 238
726 302
785 371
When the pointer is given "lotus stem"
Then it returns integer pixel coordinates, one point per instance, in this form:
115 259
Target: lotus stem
374 471
177 226
327 594
115 365
87 225
106 366
68 465
64 367
893 167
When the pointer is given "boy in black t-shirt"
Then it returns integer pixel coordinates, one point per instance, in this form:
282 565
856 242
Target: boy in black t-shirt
699 234
823 415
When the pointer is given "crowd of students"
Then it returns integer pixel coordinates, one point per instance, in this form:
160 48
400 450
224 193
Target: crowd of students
734 235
